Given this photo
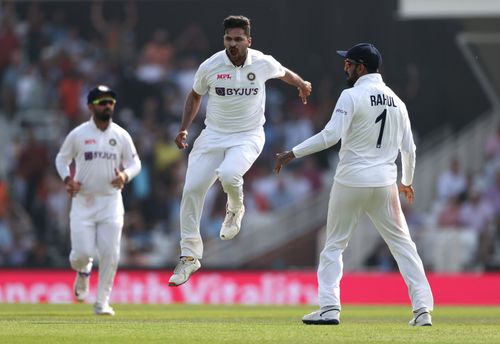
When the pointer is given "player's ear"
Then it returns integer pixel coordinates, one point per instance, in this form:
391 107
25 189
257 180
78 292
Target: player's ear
249 40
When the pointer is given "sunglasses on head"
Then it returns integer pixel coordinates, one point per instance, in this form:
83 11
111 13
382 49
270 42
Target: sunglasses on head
104 101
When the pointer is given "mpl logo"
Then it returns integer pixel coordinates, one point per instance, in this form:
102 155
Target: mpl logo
223 76
90 141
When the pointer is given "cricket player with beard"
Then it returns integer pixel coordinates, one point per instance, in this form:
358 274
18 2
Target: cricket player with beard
234 80
374 127
105 160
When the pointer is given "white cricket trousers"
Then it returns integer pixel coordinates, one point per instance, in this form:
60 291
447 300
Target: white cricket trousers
96 224
215 155
383 207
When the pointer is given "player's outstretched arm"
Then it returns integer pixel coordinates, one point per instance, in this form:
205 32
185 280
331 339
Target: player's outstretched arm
304 87
282 159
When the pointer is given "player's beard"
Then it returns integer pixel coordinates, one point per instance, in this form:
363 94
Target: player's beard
351 79
236 55
104 116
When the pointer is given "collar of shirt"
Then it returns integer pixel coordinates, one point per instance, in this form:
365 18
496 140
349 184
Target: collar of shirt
248 60
94 125
369 78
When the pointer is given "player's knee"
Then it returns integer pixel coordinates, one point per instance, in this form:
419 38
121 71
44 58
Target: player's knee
79 259
231 178
194 189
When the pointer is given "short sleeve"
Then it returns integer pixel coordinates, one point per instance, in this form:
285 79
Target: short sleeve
274 68
200 84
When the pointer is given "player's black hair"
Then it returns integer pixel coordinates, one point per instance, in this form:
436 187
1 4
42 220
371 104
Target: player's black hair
241 22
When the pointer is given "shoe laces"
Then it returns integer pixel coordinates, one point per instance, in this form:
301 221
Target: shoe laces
230 216
180 266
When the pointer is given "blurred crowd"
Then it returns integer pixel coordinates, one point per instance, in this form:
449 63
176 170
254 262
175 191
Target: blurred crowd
47 67
470 203
461 231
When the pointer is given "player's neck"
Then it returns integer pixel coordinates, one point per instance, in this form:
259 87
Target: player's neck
102 125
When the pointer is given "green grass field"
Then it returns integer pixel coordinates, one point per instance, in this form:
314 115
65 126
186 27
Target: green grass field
200 324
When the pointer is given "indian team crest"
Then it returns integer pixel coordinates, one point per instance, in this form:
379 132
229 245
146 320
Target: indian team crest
112 142
251 76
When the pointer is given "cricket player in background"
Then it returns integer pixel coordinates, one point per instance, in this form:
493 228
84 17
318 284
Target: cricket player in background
374 126
105 159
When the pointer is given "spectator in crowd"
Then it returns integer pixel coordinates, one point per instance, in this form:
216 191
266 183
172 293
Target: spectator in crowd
381 258
297 127
477 213
9 41
451 182
492 194
449 216
156 58
32 161
6 240
139 241
492 147
192 41
118 32
10 79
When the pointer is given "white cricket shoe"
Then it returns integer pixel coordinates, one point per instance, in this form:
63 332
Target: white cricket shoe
81 286
185 268
232 223
103 309
422 317
324 316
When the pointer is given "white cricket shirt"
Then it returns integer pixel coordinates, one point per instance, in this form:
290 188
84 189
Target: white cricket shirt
237 95
374 126
97 154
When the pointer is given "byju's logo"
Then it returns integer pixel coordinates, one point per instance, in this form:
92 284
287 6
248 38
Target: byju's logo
222 91
99 155
88 155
